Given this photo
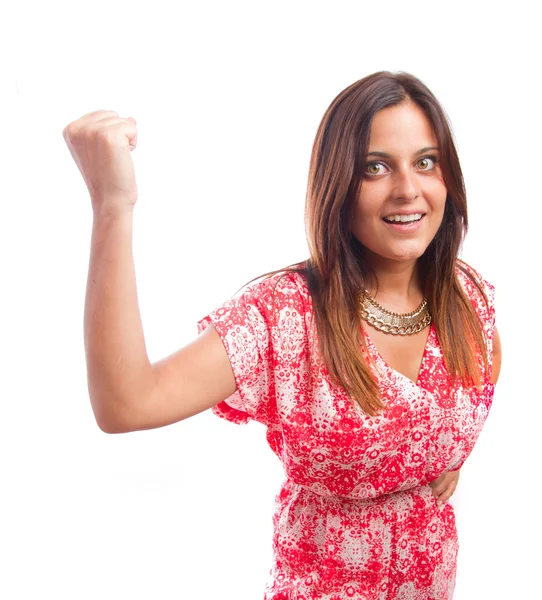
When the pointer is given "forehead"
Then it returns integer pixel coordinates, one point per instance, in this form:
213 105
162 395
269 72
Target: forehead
401 127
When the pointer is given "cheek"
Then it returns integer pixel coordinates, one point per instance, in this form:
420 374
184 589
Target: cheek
369 200
436 193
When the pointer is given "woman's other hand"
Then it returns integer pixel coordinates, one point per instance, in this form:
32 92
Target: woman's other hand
444 486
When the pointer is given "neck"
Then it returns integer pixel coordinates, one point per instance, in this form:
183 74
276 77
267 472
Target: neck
398 286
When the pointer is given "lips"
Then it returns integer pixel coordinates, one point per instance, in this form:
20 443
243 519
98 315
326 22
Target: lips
400 218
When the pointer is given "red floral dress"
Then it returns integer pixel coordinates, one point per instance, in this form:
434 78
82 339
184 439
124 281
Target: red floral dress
355 516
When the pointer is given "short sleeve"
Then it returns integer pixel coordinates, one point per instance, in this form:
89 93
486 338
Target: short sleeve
243 324
484 310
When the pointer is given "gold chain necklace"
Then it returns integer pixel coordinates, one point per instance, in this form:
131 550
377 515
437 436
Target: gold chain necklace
394 323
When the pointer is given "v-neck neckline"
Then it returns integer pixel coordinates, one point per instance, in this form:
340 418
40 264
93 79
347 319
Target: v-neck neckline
379 358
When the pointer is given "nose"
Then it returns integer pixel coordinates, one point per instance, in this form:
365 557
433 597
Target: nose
406 185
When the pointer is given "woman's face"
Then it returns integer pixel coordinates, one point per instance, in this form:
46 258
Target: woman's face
402 195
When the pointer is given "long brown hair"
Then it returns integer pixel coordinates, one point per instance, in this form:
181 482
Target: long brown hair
337 271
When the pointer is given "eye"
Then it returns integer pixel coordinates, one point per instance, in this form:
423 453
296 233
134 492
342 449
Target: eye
375 168
427 163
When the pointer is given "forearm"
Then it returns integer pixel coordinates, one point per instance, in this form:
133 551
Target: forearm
118 369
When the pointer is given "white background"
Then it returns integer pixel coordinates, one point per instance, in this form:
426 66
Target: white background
228 97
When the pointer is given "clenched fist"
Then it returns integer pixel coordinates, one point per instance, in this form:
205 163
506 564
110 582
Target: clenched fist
100 144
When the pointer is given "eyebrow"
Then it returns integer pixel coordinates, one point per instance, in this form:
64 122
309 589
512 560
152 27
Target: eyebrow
386 155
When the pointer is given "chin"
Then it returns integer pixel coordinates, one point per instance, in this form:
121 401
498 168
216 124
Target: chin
405 259
406 255
404 251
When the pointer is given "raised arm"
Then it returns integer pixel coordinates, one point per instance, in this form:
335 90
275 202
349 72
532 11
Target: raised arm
127 393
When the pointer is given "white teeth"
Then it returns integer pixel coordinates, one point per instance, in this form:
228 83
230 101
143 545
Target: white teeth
404 218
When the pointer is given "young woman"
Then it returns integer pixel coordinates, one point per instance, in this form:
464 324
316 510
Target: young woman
372 363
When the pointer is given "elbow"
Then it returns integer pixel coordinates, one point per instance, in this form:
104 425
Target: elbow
122 415
109 423
107 427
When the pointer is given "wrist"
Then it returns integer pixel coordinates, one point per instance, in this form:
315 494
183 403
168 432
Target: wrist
112 210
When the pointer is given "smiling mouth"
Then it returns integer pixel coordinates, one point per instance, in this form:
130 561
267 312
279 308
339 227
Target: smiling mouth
403 219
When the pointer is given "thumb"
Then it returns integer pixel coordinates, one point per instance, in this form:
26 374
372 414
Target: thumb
132 139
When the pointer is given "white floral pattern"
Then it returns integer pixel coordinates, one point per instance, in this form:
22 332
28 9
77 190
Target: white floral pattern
355 516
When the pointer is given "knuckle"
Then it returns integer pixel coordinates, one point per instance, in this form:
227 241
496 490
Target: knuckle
99 132
103 134
70 131
97 115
